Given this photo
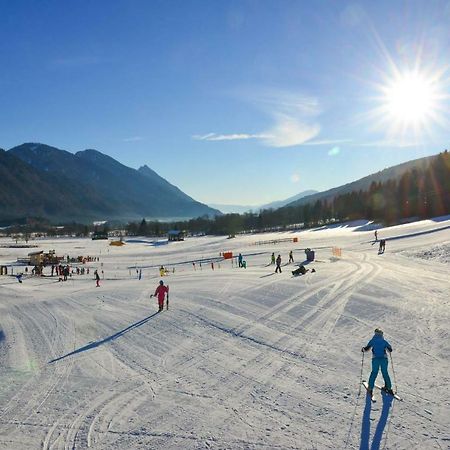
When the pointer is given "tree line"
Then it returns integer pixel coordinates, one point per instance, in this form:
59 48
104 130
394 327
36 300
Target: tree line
419 193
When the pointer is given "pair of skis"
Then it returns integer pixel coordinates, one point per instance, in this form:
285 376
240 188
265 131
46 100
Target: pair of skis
382 389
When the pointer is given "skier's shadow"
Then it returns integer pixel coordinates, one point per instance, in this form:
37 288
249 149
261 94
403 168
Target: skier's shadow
365 425
95 344
268 275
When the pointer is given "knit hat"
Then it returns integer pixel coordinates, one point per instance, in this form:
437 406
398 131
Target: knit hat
379 331
161 282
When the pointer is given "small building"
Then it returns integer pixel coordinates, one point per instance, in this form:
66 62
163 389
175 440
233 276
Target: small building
175 235
97 235
42 259
36 258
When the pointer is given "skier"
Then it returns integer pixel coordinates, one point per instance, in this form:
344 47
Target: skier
278 268
382 246
272 259
291 257
161 291
97 278
240 260
376 235
379 361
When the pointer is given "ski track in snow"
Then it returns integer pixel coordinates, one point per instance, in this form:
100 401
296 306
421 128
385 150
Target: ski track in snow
244 358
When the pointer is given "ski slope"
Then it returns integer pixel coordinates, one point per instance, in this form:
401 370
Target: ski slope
244 358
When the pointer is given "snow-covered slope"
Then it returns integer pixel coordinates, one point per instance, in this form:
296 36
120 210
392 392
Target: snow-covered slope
244 358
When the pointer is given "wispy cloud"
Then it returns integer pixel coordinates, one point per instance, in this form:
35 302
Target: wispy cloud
294 118
133 139
228 137
288 131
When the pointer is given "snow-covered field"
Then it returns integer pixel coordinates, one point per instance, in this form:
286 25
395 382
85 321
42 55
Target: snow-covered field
243 359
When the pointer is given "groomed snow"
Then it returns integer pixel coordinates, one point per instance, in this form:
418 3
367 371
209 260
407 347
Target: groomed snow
244 358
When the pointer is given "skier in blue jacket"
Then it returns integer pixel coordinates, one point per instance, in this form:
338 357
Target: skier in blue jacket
379 360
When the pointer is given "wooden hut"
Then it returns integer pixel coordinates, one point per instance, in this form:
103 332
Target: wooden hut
175 235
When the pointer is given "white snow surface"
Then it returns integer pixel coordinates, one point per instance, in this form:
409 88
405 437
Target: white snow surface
243 359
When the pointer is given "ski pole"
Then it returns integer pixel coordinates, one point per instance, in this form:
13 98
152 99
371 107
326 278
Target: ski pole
361 374
393 372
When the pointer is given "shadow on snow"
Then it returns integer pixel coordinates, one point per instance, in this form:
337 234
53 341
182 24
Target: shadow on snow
96 344
365 425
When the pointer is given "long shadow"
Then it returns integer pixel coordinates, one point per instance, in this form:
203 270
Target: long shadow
441 218
417 233
365 425
268 275
96 344
387 403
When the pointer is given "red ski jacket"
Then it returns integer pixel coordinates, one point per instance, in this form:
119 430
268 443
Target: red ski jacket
161 291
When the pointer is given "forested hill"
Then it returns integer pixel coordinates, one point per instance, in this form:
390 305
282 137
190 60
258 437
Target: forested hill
420 191
390 173
419 188
40 180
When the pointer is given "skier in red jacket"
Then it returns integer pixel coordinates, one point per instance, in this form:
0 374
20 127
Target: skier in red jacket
161 292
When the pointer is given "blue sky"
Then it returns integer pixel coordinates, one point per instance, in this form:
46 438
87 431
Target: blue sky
237 102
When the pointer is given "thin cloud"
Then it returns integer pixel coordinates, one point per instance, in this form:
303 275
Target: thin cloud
289 132
294 118
228 137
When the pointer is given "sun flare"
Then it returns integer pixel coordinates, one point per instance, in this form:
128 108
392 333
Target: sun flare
410 104
410 98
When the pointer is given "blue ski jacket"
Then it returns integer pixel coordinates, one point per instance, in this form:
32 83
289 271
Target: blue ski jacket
379 345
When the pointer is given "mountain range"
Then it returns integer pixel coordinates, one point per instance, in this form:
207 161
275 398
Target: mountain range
37 180
44 181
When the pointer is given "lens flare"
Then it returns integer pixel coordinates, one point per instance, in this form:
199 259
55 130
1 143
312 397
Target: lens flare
410 99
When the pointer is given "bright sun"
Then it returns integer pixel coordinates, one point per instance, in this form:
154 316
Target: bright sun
410 99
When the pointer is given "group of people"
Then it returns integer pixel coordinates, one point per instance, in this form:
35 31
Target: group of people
277 261
382 246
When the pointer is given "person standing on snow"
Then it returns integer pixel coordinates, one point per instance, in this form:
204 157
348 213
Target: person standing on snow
291 257
272 259
278 268
240 260
97 278
379 360
161 292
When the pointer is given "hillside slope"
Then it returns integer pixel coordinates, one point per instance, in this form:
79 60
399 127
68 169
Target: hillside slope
394 172
96 186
